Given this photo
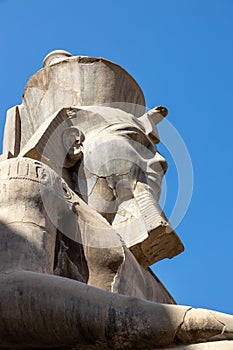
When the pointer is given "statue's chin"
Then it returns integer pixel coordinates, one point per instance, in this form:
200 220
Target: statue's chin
132 215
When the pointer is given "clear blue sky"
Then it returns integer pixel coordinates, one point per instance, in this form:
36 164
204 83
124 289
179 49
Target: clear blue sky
181 53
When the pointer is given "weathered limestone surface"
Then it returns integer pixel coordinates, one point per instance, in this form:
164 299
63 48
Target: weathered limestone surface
220 345
80 223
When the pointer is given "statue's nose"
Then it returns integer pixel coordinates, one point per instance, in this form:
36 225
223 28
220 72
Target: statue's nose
159 164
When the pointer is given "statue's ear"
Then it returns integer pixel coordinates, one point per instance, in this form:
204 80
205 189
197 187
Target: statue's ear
72 139
151 119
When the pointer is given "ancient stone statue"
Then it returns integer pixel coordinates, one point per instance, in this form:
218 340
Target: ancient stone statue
80 223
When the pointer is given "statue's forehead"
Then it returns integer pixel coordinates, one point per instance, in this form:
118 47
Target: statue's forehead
95 118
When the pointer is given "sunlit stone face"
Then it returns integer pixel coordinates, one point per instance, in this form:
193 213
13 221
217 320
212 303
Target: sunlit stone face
117 155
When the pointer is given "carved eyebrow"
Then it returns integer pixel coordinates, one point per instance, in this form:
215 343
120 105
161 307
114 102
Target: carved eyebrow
131 132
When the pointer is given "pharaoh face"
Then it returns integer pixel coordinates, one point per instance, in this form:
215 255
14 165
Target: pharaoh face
115 160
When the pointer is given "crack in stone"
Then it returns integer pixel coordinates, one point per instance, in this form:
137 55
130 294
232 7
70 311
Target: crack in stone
224 326
180 325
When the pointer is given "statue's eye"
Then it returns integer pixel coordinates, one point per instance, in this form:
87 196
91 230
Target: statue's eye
134 134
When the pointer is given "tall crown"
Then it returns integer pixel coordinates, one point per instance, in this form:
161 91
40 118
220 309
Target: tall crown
69 80
66 81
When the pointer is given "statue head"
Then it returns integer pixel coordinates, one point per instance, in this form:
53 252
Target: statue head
111 154
106 152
